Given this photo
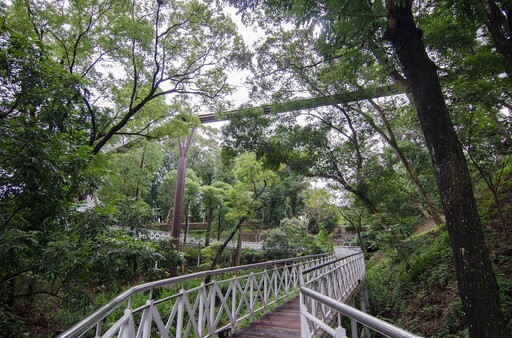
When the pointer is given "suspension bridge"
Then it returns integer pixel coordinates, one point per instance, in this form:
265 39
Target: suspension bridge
310 296
307 103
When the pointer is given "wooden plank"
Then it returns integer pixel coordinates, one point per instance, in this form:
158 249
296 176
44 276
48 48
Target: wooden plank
282 322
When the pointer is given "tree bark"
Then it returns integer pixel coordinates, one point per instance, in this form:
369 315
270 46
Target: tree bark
477 284
209 223
499 22
218 225
238 253
141 166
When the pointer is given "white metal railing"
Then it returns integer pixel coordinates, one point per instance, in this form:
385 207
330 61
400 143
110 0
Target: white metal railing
338 279
160 235
184 306
326 288
367 320
343 251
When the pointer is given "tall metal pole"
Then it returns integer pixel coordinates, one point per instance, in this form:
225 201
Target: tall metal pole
179 193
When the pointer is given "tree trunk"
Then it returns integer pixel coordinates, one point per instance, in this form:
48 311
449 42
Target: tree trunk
499 24
141 166
209 224
185 235
238 253
477 284
218 226
218 255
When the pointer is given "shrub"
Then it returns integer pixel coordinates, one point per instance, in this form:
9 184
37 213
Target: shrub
250 256
288 239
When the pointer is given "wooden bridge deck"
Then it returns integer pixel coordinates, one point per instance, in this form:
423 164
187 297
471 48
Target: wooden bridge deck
282 322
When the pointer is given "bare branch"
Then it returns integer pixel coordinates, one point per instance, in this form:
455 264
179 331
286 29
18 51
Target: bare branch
149 137
98 59
154 82
31 15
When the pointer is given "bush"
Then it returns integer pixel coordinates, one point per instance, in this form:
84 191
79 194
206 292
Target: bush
208 255
321 243
288 239
250 256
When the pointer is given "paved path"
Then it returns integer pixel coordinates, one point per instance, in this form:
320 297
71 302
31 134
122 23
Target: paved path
282 322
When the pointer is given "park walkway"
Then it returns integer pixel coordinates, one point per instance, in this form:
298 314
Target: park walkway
297 297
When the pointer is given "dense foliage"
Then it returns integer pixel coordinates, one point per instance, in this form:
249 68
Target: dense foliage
77 78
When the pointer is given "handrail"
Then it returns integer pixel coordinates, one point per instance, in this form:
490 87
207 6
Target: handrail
89 322
313 268
382 327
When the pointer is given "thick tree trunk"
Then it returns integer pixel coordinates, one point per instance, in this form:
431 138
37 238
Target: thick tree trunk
499 22
477 284
178 207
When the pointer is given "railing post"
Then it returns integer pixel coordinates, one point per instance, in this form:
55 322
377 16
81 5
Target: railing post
201 319
340 332
286 277
275 275
252 280
128 328
363 294
304 328
295 276
233 306
98 330
353 323
147 317
211 322
181 307
338 278
323 308
265 291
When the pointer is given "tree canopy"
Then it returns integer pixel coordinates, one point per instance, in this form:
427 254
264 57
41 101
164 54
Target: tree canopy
377 116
